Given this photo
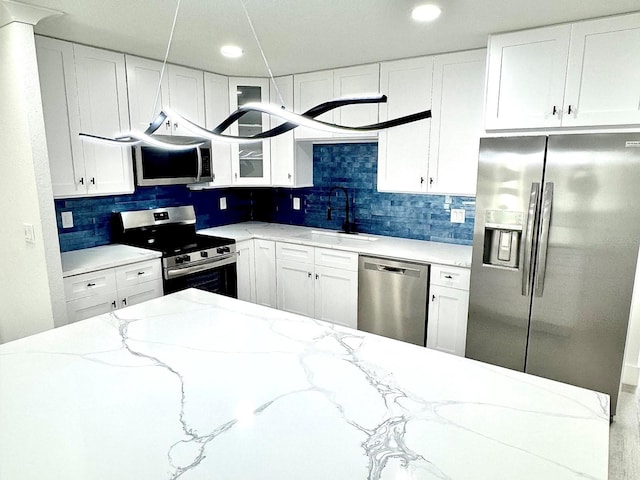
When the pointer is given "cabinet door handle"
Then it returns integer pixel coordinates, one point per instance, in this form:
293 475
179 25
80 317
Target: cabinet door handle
421 180
555 110
168 125
175 125
81 181
317 276
89 285
308 274
569 110
124 301
289 176
433 298
430 180
93 180
113 304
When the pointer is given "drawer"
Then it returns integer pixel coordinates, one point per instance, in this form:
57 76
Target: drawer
295 252
136 273
87 284
450 276
337 259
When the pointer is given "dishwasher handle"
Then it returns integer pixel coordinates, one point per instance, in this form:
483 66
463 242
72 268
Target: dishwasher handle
411 272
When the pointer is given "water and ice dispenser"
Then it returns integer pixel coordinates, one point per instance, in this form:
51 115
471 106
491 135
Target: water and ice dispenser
502 238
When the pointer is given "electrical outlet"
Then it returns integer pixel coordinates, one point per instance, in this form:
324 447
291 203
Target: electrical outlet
223 203
67 219
457 215
29 234
296 203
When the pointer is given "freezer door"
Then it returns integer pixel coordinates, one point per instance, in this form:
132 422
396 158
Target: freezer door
509 176
581 308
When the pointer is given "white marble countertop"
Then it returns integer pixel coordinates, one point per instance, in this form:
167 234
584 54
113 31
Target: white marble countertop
365 244
107 256
198 386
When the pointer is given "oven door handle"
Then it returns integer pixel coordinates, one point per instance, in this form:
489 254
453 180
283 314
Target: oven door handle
182 271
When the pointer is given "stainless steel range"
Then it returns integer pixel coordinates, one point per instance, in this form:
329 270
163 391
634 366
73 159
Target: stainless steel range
188 259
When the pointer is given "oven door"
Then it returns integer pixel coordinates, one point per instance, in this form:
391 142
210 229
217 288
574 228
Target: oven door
218 276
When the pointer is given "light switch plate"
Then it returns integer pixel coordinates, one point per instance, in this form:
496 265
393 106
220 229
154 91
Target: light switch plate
457 215
29 234
67 219
296 203
223 203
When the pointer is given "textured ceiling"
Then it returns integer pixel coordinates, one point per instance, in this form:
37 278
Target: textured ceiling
302 35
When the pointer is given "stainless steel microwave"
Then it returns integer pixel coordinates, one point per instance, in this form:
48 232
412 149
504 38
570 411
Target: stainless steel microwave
157 166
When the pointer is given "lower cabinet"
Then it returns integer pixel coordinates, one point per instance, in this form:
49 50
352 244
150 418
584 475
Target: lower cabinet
448 309
318 282
102 291
257 272
246 272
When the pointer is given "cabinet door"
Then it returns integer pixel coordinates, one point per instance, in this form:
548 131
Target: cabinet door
603 73
525 78
456 125
246 271
87 307
403 152
251 162
102 98
282 146
295 287
336 296
216 95
186 96
363 79
145 101
447 323
265 255
61 116
309 90
139 293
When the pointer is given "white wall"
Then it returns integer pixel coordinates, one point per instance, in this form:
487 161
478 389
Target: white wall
31 288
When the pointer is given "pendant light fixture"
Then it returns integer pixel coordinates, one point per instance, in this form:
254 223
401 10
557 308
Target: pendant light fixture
292 120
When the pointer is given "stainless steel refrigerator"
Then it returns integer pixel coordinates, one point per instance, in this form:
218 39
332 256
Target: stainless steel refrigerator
555 248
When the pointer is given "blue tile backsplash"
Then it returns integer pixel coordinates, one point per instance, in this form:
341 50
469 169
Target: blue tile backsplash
350 165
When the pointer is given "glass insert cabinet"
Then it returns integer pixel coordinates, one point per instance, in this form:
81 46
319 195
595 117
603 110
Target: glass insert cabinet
251 161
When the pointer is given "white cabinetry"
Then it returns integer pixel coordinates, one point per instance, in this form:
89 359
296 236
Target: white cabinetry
265 270
311 89
102 291
456 125
448 309
291 161
576 75
403 153
216 96
182 89
251 162
84 90
246 273
317 282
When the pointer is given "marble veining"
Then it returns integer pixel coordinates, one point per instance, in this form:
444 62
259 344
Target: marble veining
194 385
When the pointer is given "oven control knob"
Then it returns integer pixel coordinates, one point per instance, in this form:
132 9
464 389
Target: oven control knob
220 250
186 258
204 254
226 249
179 260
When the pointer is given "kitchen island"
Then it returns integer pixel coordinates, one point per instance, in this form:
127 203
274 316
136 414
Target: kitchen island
194 385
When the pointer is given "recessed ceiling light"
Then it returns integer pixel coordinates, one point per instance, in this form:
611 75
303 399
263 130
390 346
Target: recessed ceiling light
425 13
231 51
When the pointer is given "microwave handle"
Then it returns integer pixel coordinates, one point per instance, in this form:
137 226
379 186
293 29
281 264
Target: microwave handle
199 172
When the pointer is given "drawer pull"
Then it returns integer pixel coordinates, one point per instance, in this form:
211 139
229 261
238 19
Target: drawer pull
89 285
448 277
141 273
113 304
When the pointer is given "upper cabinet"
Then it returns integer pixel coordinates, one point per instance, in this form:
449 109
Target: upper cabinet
574 75
311 89
181 89
216 95
84 90
456 124
403 152
251 162
291 161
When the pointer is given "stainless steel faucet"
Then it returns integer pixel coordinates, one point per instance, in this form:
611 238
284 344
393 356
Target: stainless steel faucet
346 226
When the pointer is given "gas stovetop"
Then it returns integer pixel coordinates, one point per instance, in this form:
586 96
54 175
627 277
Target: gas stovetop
171 231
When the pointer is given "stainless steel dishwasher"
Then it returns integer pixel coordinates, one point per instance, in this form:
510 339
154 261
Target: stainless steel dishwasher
392 298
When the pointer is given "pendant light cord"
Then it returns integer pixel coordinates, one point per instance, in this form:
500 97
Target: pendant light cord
264 58
164 62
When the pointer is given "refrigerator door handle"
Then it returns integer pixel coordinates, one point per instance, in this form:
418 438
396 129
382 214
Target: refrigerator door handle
541 268
526 252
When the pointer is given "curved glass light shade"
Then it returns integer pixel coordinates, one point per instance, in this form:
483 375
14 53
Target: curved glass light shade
292 120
